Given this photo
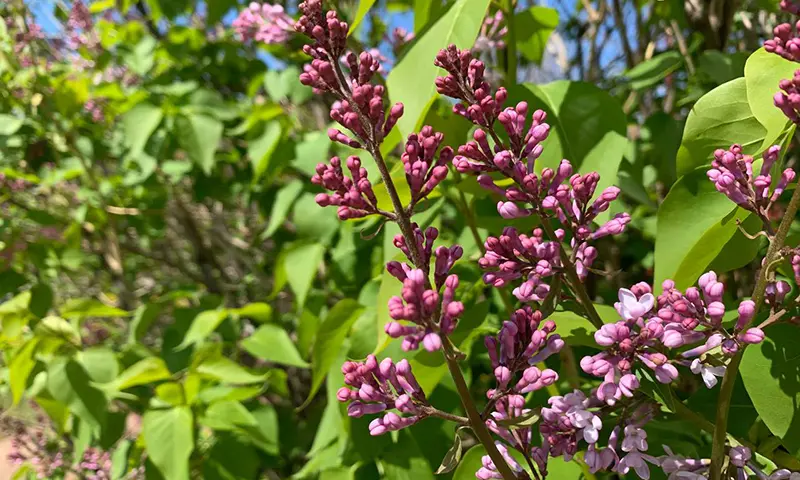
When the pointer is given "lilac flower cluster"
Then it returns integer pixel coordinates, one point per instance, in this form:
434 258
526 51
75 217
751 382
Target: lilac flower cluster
492 34
377 387
740 459
522 342
264 23
94 107
558 194
80 27
786 43
420 303
732 174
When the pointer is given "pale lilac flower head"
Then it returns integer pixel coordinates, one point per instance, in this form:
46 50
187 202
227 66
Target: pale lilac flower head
264 23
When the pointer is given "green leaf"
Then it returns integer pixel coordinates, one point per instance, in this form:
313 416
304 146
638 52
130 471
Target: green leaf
143 317
80 308
363 9
300 264
260 312
272 343
143 372
533 28
20 368
71 385
769 372
139 123
452 457
169 439
762 73
411 81
58 328
694 224
652 71
260 150
202 326
719 119
228 371
199 135
404 461
523 421
227 415
9 124
100 363
589 127
283 203
330 336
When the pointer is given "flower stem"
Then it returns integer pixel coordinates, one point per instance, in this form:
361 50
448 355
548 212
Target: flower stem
474 417
572 276
729 380
475 420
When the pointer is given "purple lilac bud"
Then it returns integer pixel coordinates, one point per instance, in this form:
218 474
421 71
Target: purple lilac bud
488 469
353 195
788 99
423 171
785 41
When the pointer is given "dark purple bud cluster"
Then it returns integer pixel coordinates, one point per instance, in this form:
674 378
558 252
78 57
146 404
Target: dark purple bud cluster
328 32
377 387
423 170
788 99
732 174
353 195
513 256
466 81
431 314
785 42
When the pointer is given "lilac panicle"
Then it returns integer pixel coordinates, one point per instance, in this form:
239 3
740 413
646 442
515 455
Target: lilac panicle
558 194
732 174
785 42
375 387
264 23
353 195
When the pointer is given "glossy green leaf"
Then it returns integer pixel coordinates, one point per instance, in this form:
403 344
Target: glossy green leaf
143 372
411 81
300 264
363 9
330 336
58 328
139 123
20 368
227 415
719 119
260 150
200 135
202 326
227 371
169 440
71 385
762 73
769 372
404 461
100 363
283 203
650 72
143 317
589 127
260 312
533 28
694 224
9 124
80 308
272 343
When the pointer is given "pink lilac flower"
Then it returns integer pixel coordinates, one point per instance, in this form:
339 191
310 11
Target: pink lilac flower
488 469
264 23
492 34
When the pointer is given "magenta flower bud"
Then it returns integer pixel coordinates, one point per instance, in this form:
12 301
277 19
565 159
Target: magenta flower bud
716 310
432 342
747 310
510 210
628 384
752 336
503 375
376 427
343 394
666 373
706 279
